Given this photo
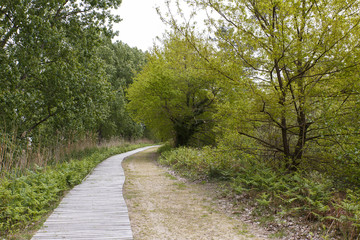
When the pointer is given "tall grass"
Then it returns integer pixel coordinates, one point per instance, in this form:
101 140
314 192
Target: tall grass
19 155
116 141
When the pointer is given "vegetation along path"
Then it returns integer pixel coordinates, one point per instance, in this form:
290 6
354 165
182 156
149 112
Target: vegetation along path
164 207
94 209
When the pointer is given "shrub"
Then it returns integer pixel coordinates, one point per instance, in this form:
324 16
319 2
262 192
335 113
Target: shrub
165 148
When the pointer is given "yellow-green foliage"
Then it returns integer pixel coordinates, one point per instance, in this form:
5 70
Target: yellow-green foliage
174 95
346 215
203 163
25 199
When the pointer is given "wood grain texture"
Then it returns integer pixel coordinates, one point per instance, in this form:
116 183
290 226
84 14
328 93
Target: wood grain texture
95 209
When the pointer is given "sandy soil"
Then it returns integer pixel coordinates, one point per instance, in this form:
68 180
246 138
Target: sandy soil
162 206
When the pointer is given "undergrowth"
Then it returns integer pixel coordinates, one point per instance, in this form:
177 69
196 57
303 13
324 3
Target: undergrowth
25 199
308 195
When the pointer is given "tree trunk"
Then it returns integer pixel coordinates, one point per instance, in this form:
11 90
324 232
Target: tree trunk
284 128
183 134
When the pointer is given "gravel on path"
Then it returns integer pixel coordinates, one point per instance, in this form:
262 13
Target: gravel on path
162 206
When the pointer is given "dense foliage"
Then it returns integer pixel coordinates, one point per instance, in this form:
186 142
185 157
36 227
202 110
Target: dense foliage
62 79
62 84
292 71
49 70
281 77
175 94
121 64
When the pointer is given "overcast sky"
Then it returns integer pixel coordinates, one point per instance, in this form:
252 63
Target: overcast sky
141 23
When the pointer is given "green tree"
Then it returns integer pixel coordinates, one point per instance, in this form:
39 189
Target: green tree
294 65
48 69
175 94
121 64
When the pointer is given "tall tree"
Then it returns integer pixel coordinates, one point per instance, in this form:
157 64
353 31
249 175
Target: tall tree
297 61
49 71
121 64
175 94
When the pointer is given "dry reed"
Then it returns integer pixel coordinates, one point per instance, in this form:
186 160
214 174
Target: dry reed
19 155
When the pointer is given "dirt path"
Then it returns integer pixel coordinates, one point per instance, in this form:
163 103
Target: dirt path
163 207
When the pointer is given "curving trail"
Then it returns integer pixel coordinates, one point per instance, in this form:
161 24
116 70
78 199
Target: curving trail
95 209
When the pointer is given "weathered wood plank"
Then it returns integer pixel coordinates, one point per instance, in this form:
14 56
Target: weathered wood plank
95 209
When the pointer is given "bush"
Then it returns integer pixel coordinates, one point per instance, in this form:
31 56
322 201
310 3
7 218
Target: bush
185 160
165 148
346 215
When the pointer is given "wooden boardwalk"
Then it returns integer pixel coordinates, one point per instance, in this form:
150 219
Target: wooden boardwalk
95 209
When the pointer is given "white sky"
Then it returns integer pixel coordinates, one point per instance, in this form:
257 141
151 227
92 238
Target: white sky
141 24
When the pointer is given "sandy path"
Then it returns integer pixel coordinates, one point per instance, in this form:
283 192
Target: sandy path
163 207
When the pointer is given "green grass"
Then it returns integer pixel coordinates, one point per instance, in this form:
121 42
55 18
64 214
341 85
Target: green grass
180 185
170 176
279 234
26 199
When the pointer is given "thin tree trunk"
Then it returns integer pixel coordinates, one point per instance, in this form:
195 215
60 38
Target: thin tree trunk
284 128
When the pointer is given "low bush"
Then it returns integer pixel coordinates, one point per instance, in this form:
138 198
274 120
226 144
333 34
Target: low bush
205 163
26 199
164 148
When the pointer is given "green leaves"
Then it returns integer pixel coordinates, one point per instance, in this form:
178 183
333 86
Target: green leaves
288 108
49 69
121 63
175 93
290 74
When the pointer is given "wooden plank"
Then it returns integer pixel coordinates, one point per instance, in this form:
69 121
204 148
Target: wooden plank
95 209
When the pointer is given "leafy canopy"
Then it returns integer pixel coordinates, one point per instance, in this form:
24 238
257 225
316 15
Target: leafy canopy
121 65
175 93
51 79
294 69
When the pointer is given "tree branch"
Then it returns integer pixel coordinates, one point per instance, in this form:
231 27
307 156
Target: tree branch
24 134
262 141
